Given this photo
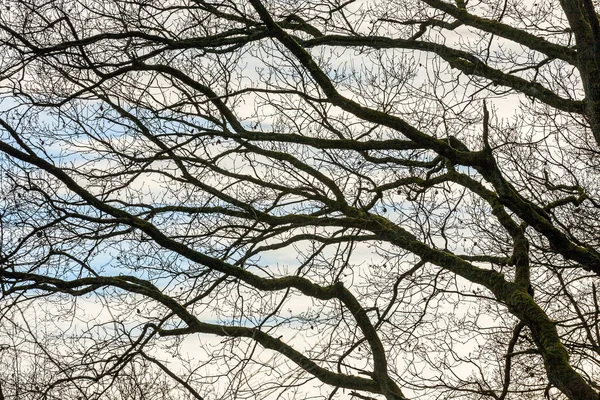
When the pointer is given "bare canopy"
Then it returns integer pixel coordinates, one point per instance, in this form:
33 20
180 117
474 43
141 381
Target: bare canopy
306 199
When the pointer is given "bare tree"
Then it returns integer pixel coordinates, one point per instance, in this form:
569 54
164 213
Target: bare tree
299 199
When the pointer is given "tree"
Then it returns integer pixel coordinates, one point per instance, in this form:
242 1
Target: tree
300 199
